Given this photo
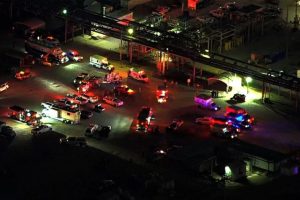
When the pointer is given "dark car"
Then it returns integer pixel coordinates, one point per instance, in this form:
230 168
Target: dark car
73 141
7 132
104 131
98 108
80 78
86 114
98 132
238 98
175 124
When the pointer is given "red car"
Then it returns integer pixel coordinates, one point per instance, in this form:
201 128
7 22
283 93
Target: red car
21 75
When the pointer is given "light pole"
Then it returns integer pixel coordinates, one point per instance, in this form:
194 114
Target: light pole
65 13
130 32
121 46
248 80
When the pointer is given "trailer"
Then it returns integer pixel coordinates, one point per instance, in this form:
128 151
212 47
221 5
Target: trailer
61 113
205 101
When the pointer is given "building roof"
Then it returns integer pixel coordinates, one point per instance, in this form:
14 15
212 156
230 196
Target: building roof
258 151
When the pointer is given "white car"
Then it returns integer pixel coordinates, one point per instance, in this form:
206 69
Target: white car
91 129
41 129
113 101
91 98
204 120
82 100
4 87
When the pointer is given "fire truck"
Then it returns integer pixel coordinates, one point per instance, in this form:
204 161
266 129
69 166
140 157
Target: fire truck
25 115
144 118
162 94
140 75
61 112
46 49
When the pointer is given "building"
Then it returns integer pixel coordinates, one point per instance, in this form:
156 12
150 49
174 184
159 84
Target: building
257 157
129 4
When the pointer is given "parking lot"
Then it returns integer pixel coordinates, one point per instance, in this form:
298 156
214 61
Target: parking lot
49 83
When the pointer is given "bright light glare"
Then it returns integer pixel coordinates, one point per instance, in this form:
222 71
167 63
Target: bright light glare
227 171
205 55
65 11
248 79
130 31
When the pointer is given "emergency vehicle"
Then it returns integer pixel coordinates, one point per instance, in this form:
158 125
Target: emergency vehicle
74 56
162 94
239 115
140 75
25 115
101 62
144 119
205 101
47 49
61 113
21 75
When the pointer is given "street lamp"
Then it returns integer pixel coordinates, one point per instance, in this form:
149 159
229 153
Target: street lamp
248 80
130 31
65 13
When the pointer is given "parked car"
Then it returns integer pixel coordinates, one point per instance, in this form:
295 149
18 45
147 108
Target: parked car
97 131
21 75
85 114
7 132
4 87
123 90
113 101
73 141
81 99
224 130
80 78
175 124
41 129
91 98
238 98
103 132
98 108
